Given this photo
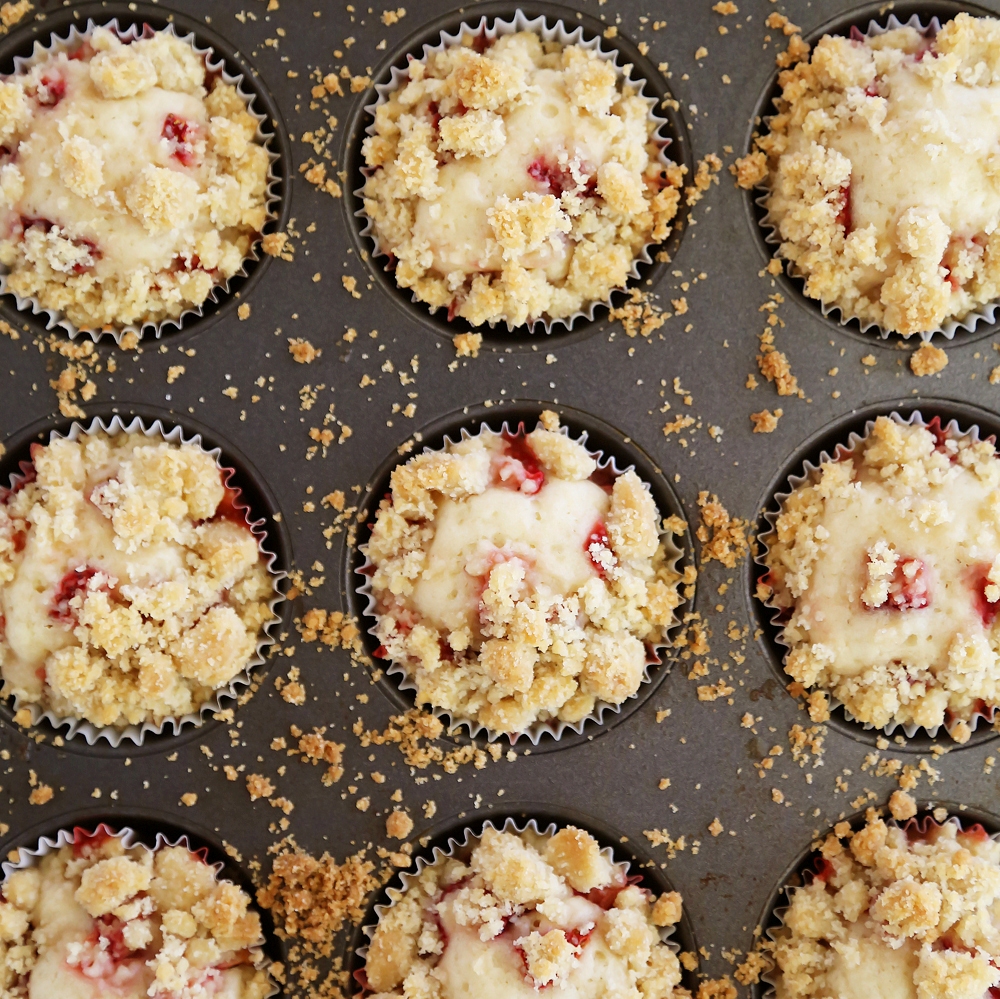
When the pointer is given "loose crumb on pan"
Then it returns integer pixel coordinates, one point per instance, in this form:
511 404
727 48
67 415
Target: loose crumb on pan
765 422
928 360
723 538
467 344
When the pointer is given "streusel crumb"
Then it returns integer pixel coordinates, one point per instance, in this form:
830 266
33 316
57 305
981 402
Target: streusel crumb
131 586
515 581
516 184
860 165
507 910
132 922
886 565
911 906
131 181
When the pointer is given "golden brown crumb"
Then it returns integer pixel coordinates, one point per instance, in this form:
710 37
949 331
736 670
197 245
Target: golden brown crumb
928 360
467 344
243 311
398 825
274 243
41 795
189 799
302 350
717 988
723 537
749 170
715 827
749 972
11 13
174 372
765 422
259 786
902 806
995 375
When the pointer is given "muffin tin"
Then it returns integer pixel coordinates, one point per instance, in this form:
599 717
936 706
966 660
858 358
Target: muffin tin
615 388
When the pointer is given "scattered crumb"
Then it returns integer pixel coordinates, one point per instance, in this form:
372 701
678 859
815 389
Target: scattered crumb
928 360
302 350
467 344
765 422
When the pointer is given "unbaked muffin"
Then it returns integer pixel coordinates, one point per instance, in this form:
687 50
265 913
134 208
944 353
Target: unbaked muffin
907 913
515 581
131 587
882 170
515 180
522 912
885 565
96 918
131 180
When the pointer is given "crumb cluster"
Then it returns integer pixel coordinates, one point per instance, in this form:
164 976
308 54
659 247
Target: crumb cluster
133 921
131 587
909 906
549 910
517 581
131 182
516 183
859 164
885 566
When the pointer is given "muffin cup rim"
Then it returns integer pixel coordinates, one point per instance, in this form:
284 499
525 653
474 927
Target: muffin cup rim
540 24
555 729
985 313
775 508
215 62
137 733
29 857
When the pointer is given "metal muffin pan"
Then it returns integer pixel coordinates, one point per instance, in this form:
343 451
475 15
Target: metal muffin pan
609 777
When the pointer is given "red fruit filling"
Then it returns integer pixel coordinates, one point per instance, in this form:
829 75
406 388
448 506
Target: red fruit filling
909 585
856 35
557 179
51 90
844 217
182 135
85 840
598 536
824 870
979 580
69 586
230 507
975 834
605 478
604 897
520 469
578 938
85 263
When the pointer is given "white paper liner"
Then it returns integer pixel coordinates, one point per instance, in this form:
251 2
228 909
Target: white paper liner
557 32
771 977
133 32
809 472
465 845
137 733
537 729
982 314
29 857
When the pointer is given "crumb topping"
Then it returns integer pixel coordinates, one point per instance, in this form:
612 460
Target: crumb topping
911 907
516 184
132 921
131 183
860 164
885 567
131 587
515 913
515 581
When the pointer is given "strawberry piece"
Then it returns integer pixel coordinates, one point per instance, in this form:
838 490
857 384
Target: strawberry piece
85 840
69 586
182 135
909 587
844 216
230 507
520 470
824 870
598 536
578 938
51 90
556 179
979 580
604 897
